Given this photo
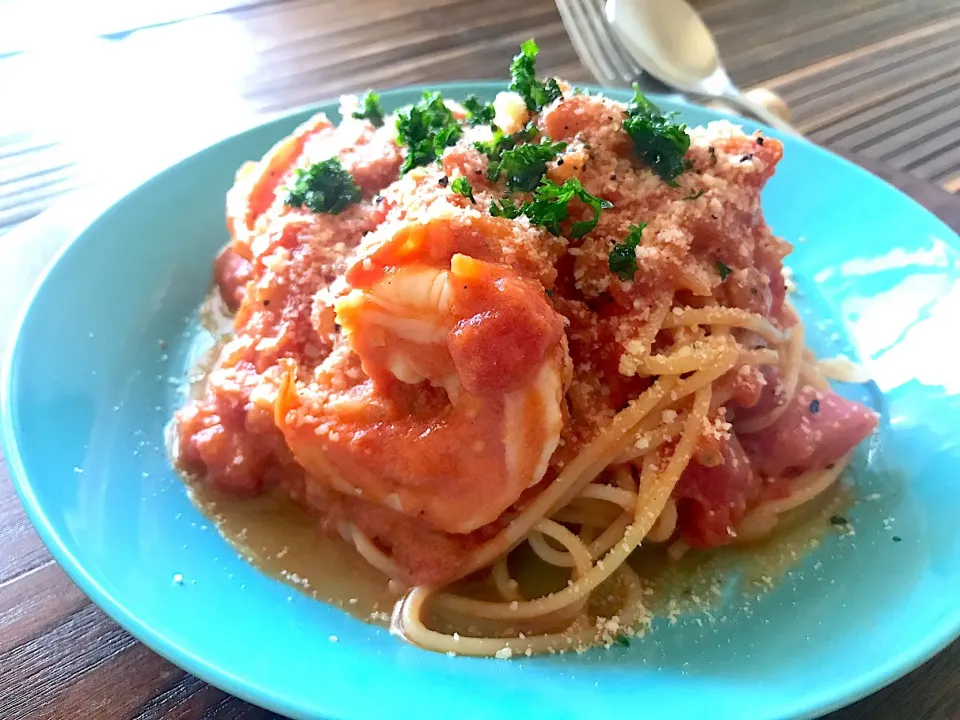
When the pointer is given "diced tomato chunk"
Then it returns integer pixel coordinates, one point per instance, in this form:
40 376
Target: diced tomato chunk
818 428
712 500
231 272
507 330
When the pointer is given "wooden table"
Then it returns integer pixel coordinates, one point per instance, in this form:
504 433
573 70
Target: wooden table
94 95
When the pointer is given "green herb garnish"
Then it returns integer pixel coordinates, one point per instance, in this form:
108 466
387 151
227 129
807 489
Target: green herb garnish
838 520
550 206
426 129
623 258
694 196
723 270
523 79
372 110
525 165
324 187
506 209
462 186
478 112
660 143
622 640
500 143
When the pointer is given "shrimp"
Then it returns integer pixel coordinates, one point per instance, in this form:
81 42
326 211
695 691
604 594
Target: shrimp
459 405
257 183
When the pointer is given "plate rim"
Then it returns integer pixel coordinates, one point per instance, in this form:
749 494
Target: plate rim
835 697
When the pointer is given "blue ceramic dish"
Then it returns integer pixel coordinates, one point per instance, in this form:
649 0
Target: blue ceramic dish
87 392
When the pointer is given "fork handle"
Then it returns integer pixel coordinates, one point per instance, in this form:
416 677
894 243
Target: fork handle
758 110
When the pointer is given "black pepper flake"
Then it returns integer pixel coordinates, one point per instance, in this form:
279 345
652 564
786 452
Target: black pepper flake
444 181
266 303
814 407
378 198
838 520
336 326
897 538
613 176
745 158
831 466
559 162
754 291
760 140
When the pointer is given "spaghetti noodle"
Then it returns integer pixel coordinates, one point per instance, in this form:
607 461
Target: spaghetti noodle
472 398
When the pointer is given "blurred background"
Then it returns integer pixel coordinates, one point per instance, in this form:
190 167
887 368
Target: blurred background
89 90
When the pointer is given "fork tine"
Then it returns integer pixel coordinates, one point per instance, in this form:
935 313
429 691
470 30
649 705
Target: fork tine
609 43
585 44
593 39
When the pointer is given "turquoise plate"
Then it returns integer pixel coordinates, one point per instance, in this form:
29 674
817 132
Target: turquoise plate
87 390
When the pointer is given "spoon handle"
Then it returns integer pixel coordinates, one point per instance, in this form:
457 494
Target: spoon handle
758 110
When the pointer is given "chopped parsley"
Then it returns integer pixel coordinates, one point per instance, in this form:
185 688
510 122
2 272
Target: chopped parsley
500 143
372 109
723 269
525 165
660 143
897 538
838 520
478 112
324 187
462 186
814 406
506 209
694 196
426 129
622 640
550 206
623 258
523 79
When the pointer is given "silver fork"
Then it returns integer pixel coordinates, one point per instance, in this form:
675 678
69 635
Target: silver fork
599 49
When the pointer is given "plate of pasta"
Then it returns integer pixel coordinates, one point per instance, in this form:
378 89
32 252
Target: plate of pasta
515 397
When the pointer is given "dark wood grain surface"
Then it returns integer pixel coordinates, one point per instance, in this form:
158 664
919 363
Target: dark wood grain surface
877 80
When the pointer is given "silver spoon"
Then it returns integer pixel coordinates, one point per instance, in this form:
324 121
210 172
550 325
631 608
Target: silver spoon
669 39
